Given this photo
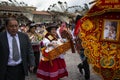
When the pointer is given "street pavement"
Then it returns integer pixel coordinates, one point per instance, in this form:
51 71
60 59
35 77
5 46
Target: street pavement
72 60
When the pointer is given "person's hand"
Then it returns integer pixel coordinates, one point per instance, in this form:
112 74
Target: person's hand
31 68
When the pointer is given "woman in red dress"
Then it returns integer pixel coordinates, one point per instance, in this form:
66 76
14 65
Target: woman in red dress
57 69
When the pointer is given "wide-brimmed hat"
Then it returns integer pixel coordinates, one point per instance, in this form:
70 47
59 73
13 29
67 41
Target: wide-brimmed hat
32 25
51 27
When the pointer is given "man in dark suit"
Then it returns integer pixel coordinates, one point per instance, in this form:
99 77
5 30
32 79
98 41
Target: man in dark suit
15 67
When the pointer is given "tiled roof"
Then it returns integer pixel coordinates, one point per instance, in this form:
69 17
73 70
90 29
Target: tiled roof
11 8
41 12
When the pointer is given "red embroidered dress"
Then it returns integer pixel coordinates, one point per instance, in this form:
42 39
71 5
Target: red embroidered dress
57 70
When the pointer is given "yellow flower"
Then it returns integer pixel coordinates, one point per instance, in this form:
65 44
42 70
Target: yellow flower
90 37
87 25
81 35
84 44
113 46
96 53
87 52
104 51
113 52
104 45
107 62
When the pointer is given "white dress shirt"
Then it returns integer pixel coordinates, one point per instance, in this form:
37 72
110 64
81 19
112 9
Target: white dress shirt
11 62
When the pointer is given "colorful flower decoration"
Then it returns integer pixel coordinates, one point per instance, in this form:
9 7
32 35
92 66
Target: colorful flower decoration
107 62
113 46
87 25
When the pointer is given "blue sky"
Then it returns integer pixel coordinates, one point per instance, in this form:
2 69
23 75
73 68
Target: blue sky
44 4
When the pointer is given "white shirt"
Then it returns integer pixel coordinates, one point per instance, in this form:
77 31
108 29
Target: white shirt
11 62
46 42
58 32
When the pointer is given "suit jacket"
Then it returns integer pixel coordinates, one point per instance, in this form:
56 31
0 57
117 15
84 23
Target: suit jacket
26 53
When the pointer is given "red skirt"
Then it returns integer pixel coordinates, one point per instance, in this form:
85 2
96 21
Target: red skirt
46 71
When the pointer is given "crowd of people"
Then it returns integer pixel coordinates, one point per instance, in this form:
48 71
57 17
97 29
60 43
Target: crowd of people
31 39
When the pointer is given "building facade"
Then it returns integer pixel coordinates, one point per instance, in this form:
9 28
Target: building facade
24 14
42 16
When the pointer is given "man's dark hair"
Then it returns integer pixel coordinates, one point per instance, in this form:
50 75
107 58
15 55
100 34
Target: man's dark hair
9 19
77 18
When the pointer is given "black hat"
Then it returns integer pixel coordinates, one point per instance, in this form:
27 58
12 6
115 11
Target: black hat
51 26
78 17
32 25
